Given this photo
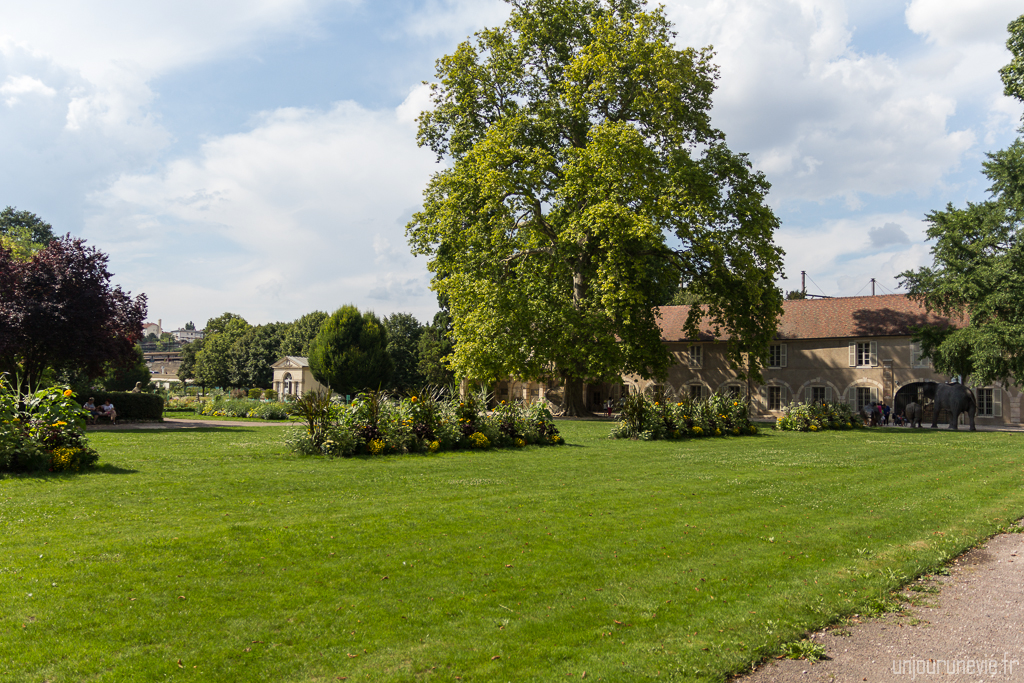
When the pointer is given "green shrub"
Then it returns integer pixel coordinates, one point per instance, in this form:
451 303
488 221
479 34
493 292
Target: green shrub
424 422
42 431
255 394
271 394
816 417
131 407
648 417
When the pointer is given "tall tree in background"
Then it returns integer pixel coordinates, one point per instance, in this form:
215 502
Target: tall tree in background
251 355
300 335
585 182
187 368
59 312
978 267
403 346
23 233
435 347
350 353
213 361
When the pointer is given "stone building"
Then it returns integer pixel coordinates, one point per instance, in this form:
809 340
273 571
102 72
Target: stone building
853 349
292 377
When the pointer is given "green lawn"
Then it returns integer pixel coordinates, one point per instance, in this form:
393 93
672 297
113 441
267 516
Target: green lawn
213 555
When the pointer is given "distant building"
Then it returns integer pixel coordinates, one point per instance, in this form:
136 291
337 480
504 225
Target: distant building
854 349
292 377
188 335
153 328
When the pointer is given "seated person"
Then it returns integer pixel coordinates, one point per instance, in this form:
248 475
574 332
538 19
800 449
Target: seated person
90 407
107 410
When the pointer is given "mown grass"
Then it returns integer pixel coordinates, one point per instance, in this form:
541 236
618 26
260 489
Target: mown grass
213 555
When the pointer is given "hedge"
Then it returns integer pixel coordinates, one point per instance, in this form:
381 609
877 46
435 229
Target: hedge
130 406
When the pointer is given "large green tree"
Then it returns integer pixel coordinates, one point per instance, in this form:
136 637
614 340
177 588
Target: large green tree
213 362
585 183
252 354
978 268
435 347
301 333
350 353
404 333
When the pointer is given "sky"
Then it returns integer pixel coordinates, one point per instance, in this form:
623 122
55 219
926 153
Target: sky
259 156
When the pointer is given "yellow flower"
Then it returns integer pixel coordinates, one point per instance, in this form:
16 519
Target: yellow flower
68 393
413 399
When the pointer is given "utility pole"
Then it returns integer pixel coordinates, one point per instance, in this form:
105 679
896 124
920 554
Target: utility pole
803 281
872 286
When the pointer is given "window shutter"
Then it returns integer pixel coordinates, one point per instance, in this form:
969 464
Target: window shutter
828 394
851 398
784 399
763 393
782 355
808 395
874 391
853 354
915 354
874 354
997 402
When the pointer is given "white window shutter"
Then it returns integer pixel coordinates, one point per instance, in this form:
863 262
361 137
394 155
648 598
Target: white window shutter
783 396
763 393
851 398
853 354
782 355
808 395
828 394
874 354
915 354
874 392
997 402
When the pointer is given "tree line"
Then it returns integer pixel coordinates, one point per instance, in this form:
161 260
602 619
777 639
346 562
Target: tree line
348 351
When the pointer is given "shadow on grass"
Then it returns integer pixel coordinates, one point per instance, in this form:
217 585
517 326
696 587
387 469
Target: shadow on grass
52 476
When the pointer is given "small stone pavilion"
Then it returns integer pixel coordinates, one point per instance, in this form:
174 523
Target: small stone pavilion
292 377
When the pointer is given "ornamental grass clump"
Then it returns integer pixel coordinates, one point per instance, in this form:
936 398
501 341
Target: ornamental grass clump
42 431
650 417
425 421
817 417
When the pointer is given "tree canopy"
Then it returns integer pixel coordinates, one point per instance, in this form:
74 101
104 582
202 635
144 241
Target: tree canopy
301 333
58 311
350 353
585 185
978 264
404 333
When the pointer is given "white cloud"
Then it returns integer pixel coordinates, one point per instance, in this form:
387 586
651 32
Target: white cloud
824 120
16 86
954 23
277 221
842 255
455 19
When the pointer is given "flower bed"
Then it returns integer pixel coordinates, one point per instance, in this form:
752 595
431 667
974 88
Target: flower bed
44 431
816 417
219 406
377 424
649 418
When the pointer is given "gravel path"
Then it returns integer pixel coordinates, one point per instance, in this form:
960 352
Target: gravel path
971 630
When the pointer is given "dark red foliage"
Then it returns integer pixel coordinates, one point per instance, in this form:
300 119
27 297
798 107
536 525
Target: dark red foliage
59 311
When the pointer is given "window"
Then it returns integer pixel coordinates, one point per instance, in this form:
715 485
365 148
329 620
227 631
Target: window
866 396
774 398
915 357
696 390
863 354
734 391
777 356
696 356
818 395
990 402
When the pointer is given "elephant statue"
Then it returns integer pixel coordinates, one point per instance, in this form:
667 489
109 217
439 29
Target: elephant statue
954 398
913 414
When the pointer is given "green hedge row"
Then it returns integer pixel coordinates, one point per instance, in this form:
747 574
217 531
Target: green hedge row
130 406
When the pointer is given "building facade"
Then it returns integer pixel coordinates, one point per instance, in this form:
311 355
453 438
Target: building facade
854 349
293 377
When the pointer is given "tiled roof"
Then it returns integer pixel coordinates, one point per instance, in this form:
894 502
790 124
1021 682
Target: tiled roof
889 315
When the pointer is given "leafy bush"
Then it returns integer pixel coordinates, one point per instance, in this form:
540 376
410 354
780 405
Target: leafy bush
423 422
218 406
648 417
816 417
271 394
255 394
131 406
42 431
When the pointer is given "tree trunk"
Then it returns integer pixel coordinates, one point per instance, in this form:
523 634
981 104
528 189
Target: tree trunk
574 403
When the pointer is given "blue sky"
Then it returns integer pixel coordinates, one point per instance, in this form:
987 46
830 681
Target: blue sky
258 156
